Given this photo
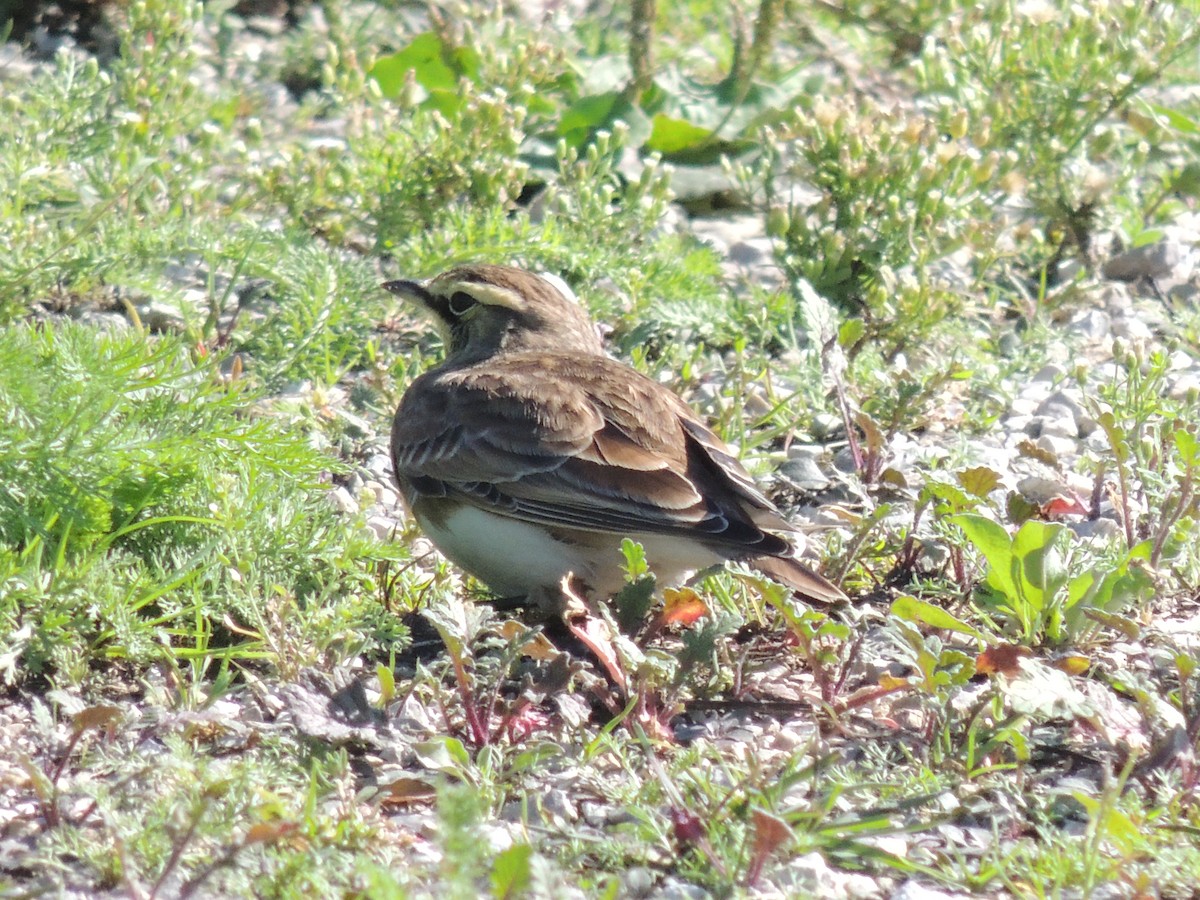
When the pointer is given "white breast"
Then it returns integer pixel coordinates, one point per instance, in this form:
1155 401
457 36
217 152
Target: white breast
516 558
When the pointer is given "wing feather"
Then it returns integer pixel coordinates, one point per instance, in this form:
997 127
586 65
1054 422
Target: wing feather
606 450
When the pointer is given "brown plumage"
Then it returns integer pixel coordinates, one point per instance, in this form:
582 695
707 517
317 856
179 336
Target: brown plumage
528 454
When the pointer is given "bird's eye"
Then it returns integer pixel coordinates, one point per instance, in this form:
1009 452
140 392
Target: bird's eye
462 303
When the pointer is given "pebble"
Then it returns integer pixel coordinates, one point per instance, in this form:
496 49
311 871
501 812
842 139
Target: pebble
673 888
1185 294
158 315
1040 490
1105 530
112 322
753 252
1184 383
1063 407
811 876
1131 329
344 501
1161 259
1115 297
825 426
1051 372
383 526
1061 404
380 465
1024 406
637 881
1093 324
804 474
1017 423
843 461
1059 446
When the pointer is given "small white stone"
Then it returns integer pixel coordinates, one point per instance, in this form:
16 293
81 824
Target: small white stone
342 499
1131 329
1050 372
380 465
1058 445
383 526
1094 324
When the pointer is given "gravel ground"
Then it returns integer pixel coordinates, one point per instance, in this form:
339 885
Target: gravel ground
1045 427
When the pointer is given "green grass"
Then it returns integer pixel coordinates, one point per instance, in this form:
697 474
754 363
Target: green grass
207 684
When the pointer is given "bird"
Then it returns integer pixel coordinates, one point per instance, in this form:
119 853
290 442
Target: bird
528 454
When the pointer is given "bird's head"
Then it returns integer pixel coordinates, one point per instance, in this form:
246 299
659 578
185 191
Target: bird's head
485 309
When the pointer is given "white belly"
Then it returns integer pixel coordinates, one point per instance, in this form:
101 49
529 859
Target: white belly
516 558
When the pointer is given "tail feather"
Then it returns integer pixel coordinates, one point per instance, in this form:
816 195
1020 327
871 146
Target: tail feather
803 580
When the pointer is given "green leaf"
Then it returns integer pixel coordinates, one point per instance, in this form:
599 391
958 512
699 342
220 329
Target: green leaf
635 560
512 872
993 542
423 56
671 135
914 610
851 332
387 684
528 760
1178 120
444 754
1148 237
947 498
979 480
1186 665
1115 434
1116 827
1187 182
600 112
1038 548
1120 624
1188 447
586 115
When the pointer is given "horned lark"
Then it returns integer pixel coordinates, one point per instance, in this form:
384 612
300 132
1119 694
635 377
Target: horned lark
528 454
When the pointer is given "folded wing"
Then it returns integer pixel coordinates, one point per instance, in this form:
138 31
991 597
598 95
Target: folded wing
627 461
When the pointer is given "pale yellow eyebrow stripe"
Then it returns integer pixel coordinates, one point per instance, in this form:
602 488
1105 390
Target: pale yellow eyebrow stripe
488 294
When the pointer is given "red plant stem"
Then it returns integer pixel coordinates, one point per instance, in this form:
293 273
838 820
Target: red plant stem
478 727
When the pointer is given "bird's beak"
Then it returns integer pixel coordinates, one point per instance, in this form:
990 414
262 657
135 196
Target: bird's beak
409 290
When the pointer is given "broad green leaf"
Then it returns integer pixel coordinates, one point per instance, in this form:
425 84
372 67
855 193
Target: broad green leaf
1188 447
1115 434
993 542
1186 665
851 332
1082 587
914 610
1120 624
424 56
444 754
1148 237
446 102
979 480
588 113
1187 182
949 497
1038 546
671 135
512 873
1018 509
